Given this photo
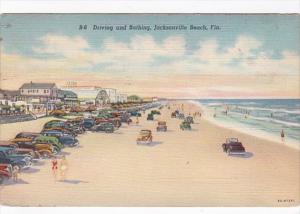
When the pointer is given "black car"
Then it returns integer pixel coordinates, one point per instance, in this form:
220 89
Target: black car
150 117
233 146
103 127
88 123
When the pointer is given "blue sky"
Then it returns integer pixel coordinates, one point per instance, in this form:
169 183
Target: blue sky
277 31
264 48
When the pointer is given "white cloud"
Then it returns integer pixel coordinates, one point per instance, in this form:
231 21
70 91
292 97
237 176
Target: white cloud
65 55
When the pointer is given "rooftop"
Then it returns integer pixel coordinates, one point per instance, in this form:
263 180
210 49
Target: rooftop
32 85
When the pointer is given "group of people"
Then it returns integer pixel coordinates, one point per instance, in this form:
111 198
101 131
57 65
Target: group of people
61 166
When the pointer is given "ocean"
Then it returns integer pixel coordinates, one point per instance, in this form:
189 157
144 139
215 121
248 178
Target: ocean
268 116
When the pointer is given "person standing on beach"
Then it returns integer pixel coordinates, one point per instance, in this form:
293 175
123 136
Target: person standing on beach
137 121
282 135
54 167
63 168
15 173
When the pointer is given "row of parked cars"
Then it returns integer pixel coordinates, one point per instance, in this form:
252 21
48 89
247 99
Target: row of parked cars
28 147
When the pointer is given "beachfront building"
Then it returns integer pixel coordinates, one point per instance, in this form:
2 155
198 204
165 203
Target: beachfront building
68 97
106 96
122 98
7 97
83 92
39 92
40 97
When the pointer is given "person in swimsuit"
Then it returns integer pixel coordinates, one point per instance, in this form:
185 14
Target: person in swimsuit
54 165
63 168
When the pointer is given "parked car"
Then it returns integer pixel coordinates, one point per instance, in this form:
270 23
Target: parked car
45 150
185 126
115 121
145 137
173 115
7 156
53 123
106 127
30 135
61 129
125 118
34 154
161 126
150 117
88 123
189 119
5 172
62 138
233 146
51 140
180 116
135 114
155 112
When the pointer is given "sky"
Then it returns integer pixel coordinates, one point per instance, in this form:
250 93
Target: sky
247 56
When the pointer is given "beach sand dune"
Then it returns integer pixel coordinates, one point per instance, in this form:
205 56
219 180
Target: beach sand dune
181 168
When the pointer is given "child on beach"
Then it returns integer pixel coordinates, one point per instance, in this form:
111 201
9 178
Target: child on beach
15 173
63 168
137 121
54 167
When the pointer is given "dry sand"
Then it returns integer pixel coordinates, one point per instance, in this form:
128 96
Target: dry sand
182 168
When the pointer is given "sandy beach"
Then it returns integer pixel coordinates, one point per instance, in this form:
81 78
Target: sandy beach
180 168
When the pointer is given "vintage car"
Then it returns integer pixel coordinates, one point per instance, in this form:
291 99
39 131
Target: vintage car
106 127
61 129
88 123
54 123
173 115
90 108
185 126
180 116
76 109
155 112
233 146
5 172
161 126
125 117
150 117
45 150
189 119
51 140
145 137
61 138
135 114
115 121
30 135
58 113
34 154
8 156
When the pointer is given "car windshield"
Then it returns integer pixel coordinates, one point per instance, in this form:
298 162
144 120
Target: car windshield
145 132
233 140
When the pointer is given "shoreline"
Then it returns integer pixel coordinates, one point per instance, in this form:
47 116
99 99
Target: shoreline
242 128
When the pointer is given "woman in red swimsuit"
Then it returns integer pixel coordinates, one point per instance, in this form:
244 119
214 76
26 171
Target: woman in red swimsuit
54 164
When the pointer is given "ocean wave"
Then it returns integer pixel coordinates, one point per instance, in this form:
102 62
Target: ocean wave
267 119
270 109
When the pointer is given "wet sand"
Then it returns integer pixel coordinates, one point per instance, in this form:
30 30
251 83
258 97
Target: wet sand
180 168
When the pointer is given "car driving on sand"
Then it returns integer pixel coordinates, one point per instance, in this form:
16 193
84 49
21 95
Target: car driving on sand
145 137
